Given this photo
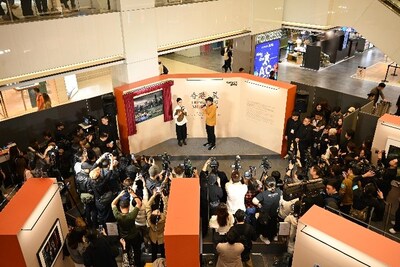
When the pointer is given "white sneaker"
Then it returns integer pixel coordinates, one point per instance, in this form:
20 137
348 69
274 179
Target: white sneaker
392 231
276 238
265 240
393 222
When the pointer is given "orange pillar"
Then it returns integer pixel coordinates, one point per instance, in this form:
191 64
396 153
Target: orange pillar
182 230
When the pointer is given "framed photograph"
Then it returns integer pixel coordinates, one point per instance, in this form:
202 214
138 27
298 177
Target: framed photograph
148 106
51 246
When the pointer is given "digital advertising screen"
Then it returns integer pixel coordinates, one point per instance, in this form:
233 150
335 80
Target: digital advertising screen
266 58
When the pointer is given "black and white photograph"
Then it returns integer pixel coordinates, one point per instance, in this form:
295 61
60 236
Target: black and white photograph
148 106
51 246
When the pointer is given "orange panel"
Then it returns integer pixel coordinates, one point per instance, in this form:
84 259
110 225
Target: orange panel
393 119
18 210
377 246
182 229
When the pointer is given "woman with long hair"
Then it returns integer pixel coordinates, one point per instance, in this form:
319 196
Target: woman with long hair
221 223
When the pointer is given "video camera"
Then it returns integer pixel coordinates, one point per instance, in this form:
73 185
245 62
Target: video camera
236 165
304 188
166 160
187 166
250 173
265 163
364 166
214 163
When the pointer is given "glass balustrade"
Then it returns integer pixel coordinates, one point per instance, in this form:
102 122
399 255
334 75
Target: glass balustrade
12 11
159 3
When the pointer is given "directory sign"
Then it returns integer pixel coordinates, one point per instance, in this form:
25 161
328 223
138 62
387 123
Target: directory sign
266 58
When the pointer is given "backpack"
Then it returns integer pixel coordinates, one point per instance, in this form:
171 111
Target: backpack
222 51
165 70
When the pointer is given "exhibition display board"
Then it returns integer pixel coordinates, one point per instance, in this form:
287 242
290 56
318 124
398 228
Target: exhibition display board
326 239
33 226
249 107
182 229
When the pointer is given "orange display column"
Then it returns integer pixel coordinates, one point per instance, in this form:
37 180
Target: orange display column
182 230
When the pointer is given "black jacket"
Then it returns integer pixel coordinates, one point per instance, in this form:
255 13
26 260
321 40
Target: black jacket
305 134
292 128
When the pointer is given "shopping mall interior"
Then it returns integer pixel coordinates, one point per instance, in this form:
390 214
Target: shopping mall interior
88 56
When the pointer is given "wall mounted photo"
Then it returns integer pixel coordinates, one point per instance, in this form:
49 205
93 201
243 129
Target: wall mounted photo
148 106
51 246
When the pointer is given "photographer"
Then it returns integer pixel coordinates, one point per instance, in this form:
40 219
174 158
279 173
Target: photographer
217 178
236 192
156 212
100 184
126 223
390 172
155 180
86 195
268 202
367 198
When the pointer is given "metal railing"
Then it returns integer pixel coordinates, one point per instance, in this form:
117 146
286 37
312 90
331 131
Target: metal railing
393 5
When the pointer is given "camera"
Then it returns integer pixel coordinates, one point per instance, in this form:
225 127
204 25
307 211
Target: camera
187 166
265 163
236 165
214 163
166 160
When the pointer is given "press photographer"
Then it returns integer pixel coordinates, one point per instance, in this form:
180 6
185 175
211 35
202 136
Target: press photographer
100 183
206 178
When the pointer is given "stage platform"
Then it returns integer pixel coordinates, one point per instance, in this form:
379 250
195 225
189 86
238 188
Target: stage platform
225 147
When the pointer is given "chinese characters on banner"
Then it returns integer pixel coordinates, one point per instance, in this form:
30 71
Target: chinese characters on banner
198 101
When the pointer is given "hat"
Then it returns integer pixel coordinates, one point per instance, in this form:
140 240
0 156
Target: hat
209 99
86 166
178 99
351 109
154 170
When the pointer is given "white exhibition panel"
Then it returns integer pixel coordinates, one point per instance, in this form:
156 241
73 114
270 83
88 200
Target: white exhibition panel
43 45
313 12
267 15
383 132
182 23
246 110
262 116
315 248
40 223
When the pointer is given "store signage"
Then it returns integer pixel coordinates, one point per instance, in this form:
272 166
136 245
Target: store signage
268 36
266 58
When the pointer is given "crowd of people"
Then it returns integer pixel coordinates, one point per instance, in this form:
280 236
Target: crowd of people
239 208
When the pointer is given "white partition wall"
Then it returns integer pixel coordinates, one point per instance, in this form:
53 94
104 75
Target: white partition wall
249 107
262 114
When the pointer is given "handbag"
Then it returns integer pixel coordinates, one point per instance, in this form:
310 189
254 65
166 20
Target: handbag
359 214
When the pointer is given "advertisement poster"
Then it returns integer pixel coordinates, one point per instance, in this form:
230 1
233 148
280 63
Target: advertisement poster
148 106
266 58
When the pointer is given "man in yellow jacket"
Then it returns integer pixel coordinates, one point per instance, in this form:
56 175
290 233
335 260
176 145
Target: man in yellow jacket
210 111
